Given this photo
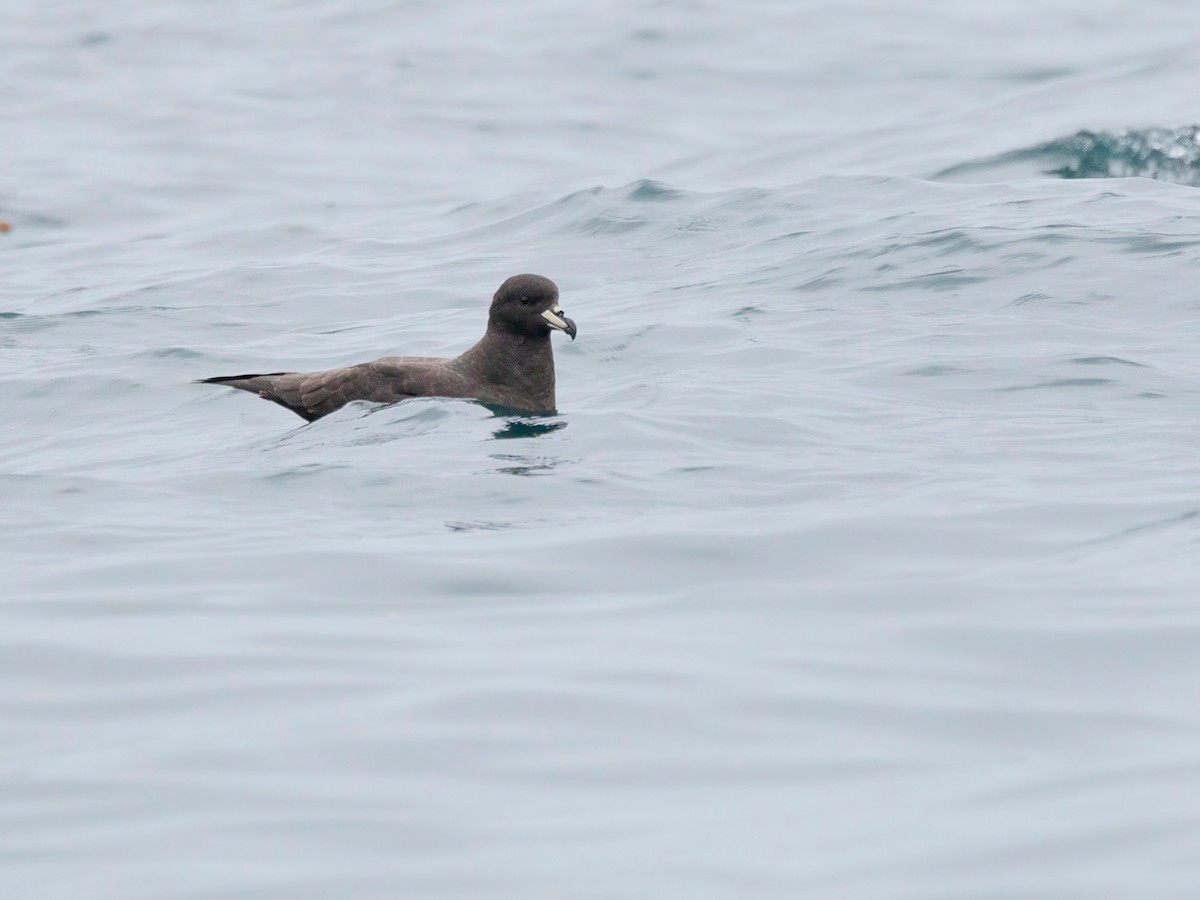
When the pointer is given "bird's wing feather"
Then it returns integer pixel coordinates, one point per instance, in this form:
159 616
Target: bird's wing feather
388 380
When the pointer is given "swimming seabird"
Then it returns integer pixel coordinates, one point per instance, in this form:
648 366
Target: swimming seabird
512 365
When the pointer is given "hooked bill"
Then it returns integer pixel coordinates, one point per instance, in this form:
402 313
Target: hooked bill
557 320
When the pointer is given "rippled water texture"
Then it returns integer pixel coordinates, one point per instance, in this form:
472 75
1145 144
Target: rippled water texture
1168 154
859 562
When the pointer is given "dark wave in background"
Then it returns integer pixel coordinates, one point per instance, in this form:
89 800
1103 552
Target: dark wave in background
1166 154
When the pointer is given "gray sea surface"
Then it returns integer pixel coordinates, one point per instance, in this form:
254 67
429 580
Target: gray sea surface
860 562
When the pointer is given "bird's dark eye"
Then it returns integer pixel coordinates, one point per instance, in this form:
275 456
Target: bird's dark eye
525 301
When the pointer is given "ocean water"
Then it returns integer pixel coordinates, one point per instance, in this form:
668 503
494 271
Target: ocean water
861 560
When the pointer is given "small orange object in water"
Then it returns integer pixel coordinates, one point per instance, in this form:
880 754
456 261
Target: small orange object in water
4 226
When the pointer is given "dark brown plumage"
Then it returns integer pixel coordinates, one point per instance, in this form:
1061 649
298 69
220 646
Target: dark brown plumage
512 365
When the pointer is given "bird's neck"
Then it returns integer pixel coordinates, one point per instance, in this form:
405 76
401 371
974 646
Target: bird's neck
515 360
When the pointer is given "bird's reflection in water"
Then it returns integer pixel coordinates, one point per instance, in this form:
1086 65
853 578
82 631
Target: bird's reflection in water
526 427
525 465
